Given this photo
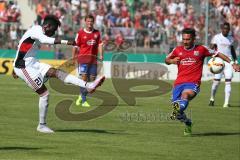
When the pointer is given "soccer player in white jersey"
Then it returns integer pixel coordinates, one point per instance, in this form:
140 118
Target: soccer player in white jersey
223 42
32 72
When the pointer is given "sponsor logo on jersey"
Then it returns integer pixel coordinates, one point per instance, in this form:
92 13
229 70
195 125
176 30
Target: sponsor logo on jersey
196 53
188 61
91 42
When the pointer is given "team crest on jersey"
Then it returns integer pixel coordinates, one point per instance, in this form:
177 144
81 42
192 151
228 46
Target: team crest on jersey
85 37
95 36
196 53
180 53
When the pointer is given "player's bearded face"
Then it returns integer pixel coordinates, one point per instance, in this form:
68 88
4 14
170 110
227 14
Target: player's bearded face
188 41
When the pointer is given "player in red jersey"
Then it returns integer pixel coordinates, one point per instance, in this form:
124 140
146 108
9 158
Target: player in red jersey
189 58
89 44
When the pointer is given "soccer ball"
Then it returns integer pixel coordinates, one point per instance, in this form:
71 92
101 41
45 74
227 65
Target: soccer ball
216 65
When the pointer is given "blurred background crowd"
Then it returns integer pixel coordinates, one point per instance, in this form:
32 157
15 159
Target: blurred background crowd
151 25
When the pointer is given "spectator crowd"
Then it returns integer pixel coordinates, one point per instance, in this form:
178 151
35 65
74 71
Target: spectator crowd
156 23
9 23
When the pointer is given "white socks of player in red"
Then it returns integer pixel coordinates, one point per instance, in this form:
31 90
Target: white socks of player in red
214 89
227 93
68 78
43 107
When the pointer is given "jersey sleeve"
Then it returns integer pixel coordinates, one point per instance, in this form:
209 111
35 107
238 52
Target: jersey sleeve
173 54
214 40
37 34
77 39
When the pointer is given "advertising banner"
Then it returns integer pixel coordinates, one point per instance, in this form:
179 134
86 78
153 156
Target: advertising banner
122 70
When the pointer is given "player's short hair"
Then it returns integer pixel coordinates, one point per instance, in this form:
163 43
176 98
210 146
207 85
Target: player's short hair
90 17
52 20
189 31
225 24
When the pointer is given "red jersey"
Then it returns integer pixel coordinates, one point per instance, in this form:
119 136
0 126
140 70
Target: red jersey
191 63
88 43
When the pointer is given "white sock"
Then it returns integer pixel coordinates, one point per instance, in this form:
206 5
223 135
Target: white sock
43 107
227 92
68 78
214 89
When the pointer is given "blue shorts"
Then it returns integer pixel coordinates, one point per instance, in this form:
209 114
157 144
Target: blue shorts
89 69
177 90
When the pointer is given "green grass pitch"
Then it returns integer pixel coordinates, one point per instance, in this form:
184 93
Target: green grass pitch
216 130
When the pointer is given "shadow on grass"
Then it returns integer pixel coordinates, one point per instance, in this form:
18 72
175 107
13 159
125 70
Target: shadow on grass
101 131
215 134
220 106
17 148
234 106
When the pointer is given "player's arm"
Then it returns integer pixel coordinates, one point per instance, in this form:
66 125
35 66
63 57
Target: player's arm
76 48
37 34
172 58
100 51
235 66
67 42
49 40
233 53
75 51
100 47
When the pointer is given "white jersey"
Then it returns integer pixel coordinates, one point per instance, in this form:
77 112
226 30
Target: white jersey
223 44
28 45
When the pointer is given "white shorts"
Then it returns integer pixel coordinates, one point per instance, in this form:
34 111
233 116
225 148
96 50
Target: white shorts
227 72
33 74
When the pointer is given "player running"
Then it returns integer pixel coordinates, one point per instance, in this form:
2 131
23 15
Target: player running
33 72
189 58
89 44
223 42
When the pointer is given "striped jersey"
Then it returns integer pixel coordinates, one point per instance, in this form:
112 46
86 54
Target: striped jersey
29 44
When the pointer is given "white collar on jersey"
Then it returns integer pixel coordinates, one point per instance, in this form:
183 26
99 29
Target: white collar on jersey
190 48
87 31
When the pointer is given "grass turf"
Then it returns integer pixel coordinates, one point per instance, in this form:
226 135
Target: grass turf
140 132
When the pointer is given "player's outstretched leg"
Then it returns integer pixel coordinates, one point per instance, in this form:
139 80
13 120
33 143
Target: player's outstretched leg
92 86
68 78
